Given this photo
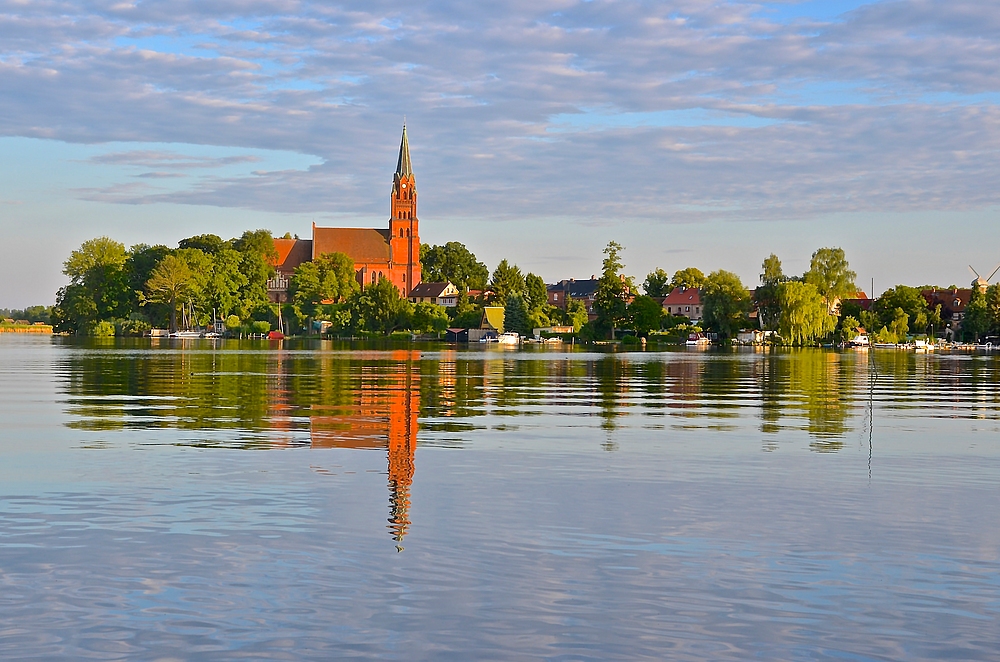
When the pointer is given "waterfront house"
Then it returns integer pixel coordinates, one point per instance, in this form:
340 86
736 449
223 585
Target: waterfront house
685 302
953 302
584 291
491 325
442 294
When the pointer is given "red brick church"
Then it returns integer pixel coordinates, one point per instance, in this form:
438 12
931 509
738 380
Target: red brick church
393 253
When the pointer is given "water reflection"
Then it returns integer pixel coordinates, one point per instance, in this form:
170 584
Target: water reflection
256 396
239 395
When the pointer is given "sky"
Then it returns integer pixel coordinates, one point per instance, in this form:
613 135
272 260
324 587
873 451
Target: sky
693 132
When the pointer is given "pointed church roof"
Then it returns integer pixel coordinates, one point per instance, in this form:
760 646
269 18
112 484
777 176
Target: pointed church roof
403 166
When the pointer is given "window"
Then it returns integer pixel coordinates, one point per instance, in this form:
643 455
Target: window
373 277
401 232
555 296
404 278
687 309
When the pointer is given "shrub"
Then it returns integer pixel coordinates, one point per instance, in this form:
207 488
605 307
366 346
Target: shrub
132 327
259 327
232 322
102 329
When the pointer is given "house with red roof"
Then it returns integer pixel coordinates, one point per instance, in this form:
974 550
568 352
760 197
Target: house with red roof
685 302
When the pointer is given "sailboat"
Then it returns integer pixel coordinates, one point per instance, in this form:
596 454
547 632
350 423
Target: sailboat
186 323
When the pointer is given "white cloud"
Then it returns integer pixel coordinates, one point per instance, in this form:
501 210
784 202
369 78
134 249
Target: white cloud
890 107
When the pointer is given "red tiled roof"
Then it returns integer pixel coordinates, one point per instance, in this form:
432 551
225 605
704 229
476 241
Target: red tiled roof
292 253
679 297
953 301
362 245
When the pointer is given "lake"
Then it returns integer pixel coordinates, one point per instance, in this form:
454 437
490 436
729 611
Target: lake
191 500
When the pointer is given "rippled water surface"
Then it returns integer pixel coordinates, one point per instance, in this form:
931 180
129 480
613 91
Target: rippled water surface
301 501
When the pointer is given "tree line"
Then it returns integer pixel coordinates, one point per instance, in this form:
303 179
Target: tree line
126 291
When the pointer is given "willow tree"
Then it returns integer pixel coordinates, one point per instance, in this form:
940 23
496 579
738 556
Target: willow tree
171 281
831 274
804 313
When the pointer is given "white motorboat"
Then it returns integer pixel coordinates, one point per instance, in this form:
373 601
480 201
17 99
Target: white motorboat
509 338
697 340
186 334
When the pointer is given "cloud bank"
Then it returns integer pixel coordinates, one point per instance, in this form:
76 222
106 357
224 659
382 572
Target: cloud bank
594 111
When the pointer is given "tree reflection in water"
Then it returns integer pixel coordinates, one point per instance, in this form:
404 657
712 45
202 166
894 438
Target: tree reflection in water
264 395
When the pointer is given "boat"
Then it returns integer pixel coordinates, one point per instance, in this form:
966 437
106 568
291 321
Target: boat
923 346
509 338
884 345
186 334
697 340
860 340
275 335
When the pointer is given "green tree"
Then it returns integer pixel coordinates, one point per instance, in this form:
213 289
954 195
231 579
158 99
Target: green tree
804 313
329 278
849 326
645 314
993 307
515 315
976 319
171 283
657 283
766 296
536 294
612 294
98 288
903 298
576 314
258 257
507 279
429 318
772 272
830 272
900 325
687 278
380 308
725 303
139 265
225 281
98 253
452 262
538 318
207 243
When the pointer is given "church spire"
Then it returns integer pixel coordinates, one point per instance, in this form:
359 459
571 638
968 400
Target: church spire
403 166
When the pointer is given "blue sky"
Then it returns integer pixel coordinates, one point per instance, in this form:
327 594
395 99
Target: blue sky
694 132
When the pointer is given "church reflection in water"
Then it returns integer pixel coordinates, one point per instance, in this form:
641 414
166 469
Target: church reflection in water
382 413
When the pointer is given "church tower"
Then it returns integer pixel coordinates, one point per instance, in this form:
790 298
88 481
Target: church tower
404 239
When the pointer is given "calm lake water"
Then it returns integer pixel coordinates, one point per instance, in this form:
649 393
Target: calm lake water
300 501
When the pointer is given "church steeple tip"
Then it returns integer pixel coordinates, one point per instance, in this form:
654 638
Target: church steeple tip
403 166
